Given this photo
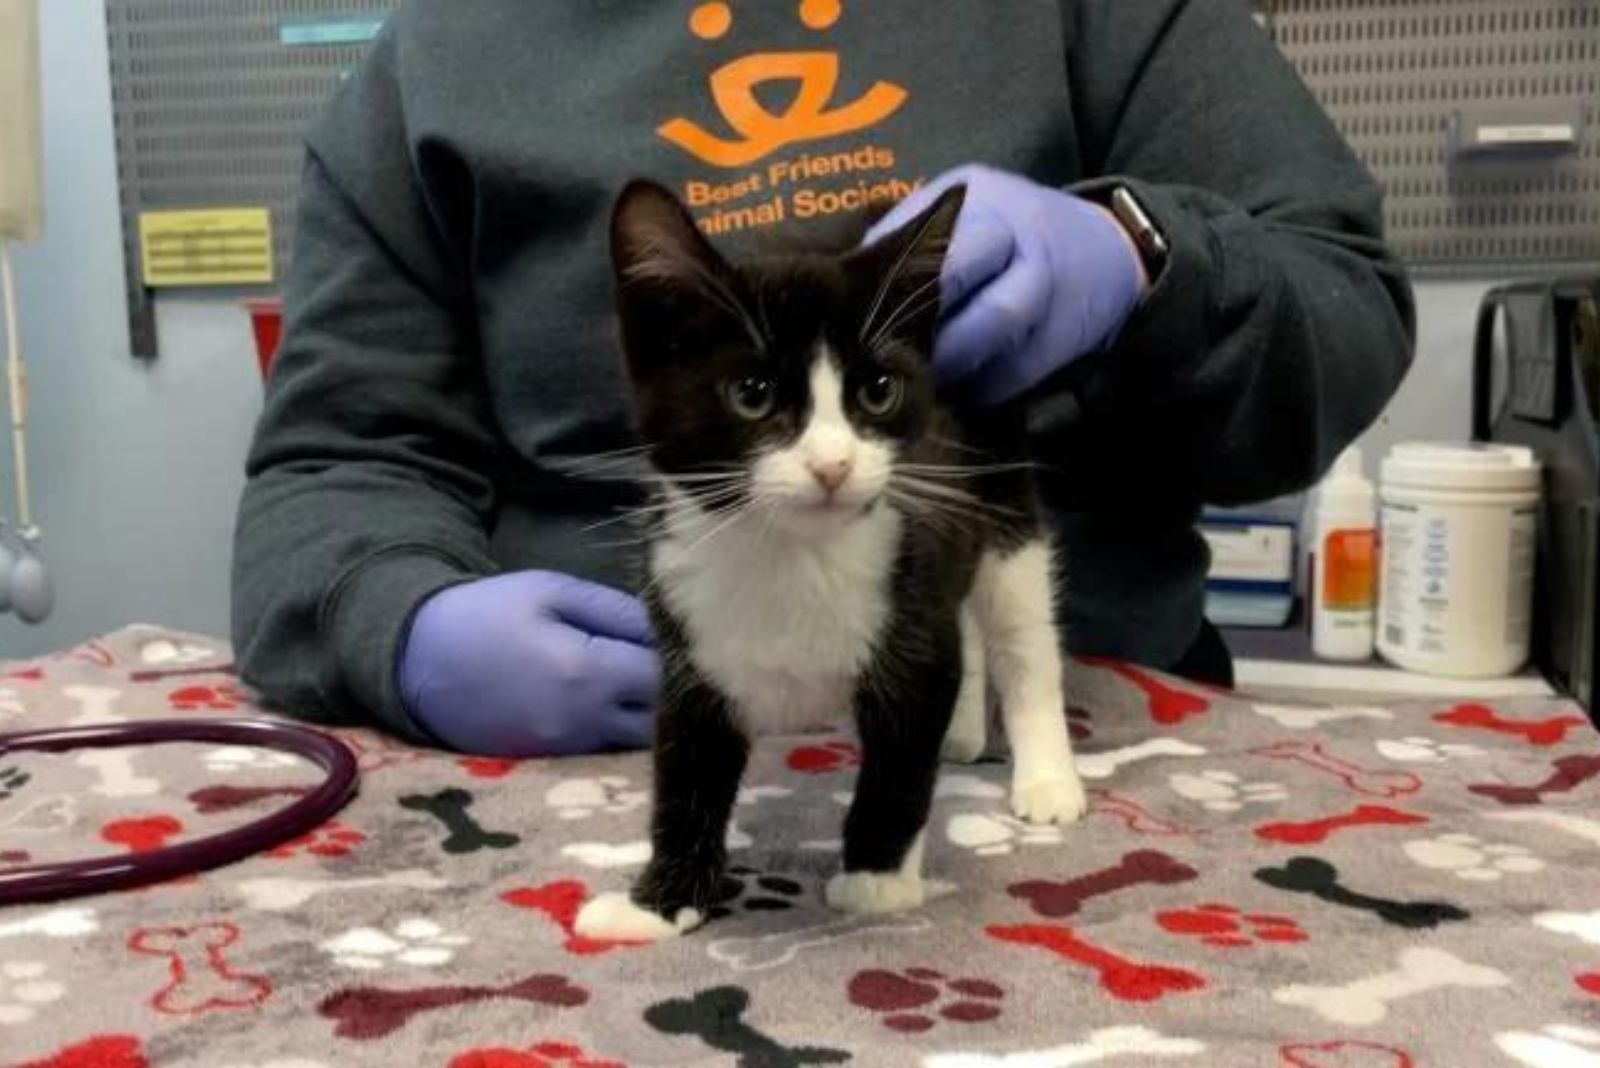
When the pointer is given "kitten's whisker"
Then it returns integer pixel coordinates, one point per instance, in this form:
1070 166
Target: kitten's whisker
951 495
737 513
964 469
901 313
647 512
935 489
698 477
610 456
961 446
912 253
761 311
936 515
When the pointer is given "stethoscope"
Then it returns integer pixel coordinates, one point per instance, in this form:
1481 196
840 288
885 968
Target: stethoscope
25 586
74 878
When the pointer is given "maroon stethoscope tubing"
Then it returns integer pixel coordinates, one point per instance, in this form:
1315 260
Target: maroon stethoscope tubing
75 878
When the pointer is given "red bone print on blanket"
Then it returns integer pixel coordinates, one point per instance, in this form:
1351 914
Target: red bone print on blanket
200 978
207 698
1314 831
487 767
1169 706
1367 781
102 1051
1589 983
824 758
1344 1055
1569 773
1121 978
544 1055
1143 867
212 799
1544 732
1135 816
367 1012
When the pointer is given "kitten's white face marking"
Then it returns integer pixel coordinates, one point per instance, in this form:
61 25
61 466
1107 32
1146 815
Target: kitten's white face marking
824 556
830 474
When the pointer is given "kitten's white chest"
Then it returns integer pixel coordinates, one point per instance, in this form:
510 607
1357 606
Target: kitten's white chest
782 625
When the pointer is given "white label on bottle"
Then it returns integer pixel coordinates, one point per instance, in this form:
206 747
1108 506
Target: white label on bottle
1519 578
1399 524
1457 585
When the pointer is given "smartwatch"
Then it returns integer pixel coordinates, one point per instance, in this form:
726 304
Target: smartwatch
1152 246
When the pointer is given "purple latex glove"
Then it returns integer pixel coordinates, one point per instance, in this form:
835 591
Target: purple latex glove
1034 279
531 664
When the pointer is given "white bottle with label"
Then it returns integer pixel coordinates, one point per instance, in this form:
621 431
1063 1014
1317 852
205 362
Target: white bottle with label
1344 589
1460 533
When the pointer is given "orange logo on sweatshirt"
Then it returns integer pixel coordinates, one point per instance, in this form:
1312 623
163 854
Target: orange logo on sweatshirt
811 116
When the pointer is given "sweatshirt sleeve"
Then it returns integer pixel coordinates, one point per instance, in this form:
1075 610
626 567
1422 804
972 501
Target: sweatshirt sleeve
1280 325
369 478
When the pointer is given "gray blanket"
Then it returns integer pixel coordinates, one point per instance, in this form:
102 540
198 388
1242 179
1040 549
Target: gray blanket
1255 885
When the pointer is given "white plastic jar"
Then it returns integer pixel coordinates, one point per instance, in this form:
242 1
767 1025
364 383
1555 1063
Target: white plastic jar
1458 530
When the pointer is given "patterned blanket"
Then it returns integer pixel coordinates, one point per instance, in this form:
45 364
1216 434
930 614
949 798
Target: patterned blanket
1255 885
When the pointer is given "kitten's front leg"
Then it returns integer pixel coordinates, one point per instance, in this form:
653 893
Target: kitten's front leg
1015 604
968 736
903 711
700 756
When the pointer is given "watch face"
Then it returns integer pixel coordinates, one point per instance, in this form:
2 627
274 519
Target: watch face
1144 233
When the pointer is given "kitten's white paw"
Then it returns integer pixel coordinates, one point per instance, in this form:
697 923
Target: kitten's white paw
964 744
1050 800
871 893
615 918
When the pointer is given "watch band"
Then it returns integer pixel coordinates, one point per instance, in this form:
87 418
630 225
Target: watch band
1147 238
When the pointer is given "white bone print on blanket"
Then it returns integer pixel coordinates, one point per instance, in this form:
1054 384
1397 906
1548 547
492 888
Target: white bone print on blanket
1365 1002
1106 1044
113 769
636 853
1557 1046
96 705
1580 925
285 895
71 922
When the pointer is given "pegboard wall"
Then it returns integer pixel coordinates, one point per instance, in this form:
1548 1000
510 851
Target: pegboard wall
212 97
1398 75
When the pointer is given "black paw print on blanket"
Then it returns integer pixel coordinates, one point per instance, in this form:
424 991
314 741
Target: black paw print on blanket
12 780
748 890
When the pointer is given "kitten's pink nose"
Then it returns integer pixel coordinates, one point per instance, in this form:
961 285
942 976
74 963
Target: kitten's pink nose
830 474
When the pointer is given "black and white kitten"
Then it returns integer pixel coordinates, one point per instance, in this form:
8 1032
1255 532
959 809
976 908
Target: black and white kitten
830 538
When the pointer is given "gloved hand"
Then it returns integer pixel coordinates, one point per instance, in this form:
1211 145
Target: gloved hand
531 664
1034 279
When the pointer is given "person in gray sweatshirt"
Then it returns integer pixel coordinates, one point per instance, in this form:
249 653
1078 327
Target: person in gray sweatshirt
1167 256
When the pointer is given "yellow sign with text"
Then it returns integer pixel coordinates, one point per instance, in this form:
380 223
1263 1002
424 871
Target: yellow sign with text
218 247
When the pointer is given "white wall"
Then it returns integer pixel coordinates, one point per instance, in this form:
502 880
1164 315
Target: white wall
137 468
1436 399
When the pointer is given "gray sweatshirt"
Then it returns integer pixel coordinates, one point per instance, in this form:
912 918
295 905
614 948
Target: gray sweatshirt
449 351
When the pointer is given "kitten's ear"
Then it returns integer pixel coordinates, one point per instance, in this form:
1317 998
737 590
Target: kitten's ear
902 269
655 243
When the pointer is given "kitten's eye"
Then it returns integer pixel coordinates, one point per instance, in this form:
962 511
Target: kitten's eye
752 397
881 396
